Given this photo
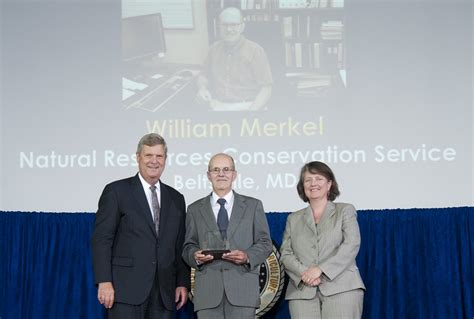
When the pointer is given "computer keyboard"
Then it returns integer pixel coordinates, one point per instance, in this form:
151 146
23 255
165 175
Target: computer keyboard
157 97
159 90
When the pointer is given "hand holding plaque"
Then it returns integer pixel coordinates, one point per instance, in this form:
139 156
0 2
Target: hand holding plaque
216 246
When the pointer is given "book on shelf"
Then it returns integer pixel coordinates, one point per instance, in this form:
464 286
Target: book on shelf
298 55
302 4
292 4
297 26
340 55
314 55
315 81
289 54
310 27
287 27
310 84
332 30
256 4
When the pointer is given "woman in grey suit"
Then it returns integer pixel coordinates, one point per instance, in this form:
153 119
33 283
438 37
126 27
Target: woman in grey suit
319 248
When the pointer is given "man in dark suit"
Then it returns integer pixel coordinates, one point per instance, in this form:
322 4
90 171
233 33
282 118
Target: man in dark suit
227 288
137 241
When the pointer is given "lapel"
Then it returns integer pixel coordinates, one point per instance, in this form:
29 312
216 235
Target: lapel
140 197
207 214
329 212
309 220
166 206
238 212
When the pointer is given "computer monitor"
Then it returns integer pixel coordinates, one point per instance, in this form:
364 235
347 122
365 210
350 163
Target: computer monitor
142 36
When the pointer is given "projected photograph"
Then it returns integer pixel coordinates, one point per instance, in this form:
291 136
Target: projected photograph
231 55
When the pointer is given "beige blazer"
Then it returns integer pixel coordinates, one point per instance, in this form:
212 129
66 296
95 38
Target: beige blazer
332 246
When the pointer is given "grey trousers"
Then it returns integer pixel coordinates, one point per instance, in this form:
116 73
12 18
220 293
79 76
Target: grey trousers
228 311
345 305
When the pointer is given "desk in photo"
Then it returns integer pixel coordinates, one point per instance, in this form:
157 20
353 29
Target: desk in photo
153 88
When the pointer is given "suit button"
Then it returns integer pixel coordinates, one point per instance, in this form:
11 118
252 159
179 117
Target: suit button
153 262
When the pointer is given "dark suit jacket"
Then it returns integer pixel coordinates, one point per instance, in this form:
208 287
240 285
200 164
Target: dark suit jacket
247 231
126 250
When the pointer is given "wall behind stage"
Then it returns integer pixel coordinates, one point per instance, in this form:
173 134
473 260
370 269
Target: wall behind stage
393 119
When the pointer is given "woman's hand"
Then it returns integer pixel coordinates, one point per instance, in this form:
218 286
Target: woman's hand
312 276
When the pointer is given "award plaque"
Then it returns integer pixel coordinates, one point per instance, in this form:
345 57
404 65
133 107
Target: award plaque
216 253
214 245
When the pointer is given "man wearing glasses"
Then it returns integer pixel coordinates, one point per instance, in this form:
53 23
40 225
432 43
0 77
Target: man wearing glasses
227 238
236 75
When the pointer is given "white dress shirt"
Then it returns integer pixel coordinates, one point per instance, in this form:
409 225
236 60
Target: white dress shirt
229 203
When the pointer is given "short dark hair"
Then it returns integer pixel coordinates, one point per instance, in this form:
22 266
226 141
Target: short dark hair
316 167
152 139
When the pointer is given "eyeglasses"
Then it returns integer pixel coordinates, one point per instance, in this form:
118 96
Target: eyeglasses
230 25
224 170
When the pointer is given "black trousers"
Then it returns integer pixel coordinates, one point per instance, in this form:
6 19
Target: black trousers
152 308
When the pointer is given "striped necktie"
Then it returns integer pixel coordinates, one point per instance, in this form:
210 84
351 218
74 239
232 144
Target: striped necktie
155 205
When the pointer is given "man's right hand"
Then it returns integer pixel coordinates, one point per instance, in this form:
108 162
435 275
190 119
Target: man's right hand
201 258
106 294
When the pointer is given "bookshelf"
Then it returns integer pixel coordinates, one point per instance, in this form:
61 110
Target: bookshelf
303 39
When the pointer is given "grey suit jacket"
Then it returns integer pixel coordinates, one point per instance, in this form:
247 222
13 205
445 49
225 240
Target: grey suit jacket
247 231
332 246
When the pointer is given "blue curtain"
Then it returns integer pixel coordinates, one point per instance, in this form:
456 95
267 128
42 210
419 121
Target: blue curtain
416 263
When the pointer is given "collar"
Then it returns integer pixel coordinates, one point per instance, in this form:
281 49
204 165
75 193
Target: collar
236 46
229 198
146 185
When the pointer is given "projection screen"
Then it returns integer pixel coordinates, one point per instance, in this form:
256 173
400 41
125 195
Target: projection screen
381 91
